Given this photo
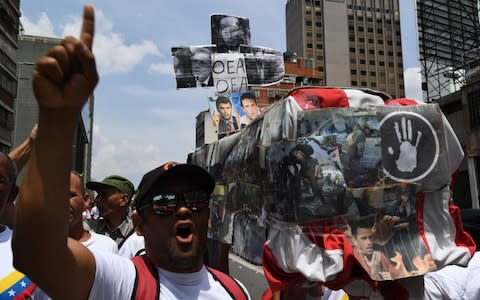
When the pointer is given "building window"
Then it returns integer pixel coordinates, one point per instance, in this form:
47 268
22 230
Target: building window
380 42
372 73
309 45
309 34
380 52
390 53
362 51
371 51
372 62
352 49
362 61
381 63
390 43
373 84
353 72
318 24
308 23
370 41
361 40
379 30
354 82
360 29
364 83
363 72
369 29
319 46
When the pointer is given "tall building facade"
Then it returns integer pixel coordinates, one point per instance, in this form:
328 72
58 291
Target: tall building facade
448 32
9 27
350 42
30 49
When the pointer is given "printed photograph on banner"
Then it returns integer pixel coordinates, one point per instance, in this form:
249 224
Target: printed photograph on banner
193 66
414 146
358 139
264 65
384 232
228 118
229 73
217 213
249 235
308 178
246 105
229 32
243 164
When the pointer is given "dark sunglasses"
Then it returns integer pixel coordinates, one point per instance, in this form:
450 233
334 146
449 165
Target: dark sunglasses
165 204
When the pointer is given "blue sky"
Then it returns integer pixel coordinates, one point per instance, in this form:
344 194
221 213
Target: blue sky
141 120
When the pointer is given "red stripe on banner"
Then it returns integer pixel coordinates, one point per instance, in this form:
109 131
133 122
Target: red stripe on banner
276 277
315 98
462 238
401 102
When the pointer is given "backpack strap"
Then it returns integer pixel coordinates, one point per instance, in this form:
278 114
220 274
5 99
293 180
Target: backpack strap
146 279
230 284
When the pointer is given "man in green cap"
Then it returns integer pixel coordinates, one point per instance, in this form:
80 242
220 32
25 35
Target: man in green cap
114 194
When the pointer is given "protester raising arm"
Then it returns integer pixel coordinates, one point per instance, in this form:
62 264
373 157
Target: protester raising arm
62 82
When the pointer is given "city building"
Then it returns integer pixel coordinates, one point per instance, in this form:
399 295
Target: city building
298 72
9 27
30 49
446 31
351 43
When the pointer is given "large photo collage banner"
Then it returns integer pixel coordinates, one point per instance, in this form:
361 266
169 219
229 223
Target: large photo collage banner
358 170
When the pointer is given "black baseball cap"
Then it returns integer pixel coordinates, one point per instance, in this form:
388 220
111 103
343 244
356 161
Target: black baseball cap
191 173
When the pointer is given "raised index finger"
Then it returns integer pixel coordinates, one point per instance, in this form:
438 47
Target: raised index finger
88 26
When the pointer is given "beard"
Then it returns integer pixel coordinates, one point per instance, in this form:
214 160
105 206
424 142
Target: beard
188 257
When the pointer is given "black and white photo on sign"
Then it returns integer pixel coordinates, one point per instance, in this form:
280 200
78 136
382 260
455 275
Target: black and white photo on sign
264 66
413 145
358 140
193 66
229 32
229 73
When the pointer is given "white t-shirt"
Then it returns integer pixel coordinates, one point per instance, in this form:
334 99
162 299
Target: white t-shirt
454 282
96 242
100 242
115 276
132 245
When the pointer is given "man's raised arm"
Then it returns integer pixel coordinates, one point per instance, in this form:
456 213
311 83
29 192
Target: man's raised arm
62 81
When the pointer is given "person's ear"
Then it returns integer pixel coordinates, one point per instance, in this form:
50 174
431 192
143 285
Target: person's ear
124 200
137 223
86 200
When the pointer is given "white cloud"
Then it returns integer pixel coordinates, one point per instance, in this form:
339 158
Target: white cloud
161 68
43 26
112 53
130 156
413 83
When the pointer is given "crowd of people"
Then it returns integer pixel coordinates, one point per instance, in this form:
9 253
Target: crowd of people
159 229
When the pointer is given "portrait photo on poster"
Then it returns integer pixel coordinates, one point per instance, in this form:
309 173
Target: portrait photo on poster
398 252
264 66
229 32
193 66
224 115
246 105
